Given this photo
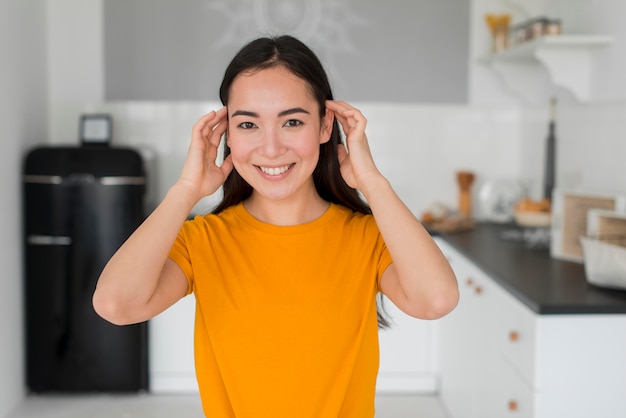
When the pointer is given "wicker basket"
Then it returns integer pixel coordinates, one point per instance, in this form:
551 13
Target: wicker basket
605 263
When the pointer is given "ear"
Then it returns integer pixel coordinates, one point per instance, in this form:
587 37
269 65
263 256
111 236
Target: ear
327 126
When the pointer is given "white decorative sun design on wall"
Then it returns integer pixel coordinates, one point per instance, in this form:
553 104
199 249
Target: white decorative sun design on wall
325 24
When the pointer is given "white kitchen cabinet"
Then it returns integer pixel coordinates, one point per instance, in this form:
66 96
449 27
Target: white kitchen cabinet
500 359
408 362
471 367
407 352
170 356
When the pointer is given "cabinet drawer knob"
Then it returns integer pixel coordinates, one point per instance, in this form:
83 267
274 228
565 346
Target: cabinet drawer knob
478 290
513 336
470 282
513 405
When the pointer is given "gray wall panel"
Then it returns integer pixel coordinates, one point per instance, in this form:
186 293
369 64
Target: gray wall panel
395 51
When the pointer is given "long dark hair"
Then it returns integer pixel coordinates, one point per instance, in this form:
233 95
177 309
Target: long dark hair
290 53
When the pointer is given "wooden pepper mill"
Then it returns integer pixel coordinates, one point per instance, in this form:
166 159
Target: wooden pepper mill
465 180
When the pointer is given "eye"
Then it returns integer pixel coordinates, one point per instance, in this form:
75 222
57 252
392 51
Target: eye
246 125
292 123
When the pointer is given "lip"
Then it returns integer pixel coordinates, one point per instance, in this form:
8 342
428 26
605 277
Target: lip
275 172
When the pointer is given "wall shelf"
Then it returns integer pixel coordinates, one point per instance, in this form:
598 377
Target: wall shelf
567 59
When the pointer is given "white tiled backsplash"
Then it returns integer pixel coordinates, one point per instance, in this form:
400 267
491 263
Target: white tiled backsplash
418 147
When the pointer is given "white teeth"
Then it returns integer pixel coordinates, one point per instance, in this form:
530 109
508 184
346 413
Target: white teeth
275 171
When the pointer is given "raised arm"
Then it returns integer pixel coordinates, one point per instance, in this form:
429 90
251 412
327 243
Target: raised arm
140 281
420 281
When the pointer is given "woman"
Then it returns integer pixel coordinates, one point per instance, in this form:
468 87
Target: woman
286 269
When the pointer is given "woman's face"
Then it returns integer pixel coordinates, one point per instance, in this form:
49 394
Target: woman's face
274 132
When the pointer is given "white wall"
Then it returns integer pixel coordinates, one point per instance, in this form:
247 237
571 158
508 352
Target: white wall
591 146
23 114
75 50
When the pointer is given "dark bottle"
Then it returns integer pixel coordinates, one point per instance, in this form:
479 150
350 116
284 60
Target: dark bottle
550 161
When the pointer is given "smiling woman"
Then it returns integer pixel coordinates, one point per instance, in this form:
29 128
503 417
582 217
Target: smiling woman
275 145
287 269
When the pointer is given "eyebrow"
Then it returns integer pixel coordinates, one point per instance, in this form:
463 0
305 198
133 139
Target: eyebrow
282 113
293 111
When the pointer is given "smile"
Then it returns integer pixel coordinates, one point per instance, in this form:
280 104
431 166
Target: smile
275 171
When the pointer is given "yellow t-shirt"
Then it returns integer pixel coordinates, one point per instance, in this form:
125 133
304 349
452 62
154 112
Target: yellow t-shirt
286 321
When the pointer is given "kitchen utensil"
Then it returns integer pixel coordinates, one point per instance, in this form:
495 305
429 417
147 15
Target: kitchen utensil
465 180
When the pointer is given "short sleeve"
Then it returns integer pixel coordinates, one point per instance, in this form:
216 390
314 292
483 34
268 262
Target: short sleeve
384 260
180 255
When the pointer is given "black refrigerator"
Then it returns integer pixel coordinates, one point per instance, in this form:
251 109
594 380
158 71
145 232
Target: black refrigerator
80 204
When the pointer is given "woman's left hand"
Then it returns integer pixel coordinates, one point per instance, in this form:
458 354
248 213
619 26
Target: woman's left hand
357 165
420 280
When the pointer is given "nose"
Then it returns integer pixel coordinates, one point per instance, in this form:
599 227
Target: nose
271 144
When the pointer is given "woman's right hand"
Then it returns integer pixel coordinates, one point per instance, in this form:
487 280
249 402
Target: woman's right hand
201 175
140 281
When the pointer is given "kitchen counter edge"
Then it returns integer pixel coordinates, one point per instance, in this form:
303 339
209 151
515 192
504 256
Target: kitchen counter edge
546 285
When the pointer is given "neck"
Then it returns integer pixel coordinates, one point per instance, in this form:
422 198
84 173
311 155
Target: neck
287 211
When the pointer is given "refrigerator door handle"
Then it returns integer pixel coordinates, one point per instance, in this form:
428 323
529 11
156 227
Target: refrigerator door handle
104 181
34 178
48 240
122 181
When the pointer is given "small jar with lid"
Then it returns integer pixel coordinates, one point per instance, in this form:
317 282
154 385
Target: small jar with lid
518 34
537 27
553 27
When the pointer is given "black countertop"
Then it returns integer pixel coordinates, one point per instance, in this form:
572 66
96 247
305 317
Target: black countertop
545 284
